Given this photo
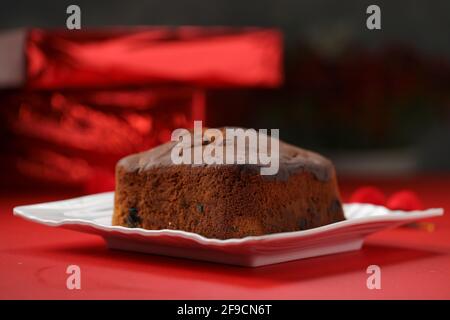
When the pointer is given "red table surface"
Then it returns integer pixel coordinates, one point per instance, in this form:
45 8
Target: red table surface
415 264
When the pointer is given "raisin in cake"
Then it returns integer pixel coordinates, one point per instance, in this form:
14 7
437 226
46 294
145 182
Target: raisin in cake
229 200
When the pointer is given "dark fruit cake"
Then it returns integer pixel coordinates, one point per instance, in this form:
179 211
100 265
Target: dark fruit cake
229 200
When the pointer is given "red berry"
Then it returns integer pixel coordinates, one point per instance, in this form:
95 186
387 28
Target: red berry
405 200
368 194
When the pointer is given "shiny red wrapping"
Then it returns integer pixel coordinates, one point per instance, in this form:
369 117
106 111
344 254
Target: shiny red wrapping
75 137
207 57
92 97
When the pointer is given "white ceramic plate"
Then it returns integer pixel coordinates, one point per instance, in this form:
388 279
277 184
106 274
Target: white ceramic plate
92 214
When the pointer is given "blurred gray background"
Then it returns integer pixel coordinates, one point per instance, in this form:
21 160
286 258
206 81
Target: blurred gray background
424 24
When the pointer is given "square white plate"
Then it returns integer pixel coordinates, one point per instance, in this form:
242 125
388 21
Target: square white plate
92 214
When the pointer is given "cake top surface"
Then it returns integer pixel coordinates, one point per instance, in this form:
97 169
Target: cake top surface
291 159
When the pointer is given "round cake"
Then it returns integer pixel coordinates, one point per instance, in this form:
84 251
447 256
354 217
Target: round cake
226 200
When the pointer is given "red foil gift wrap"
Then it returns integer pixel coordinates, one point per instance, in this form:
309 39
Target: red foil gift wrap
75 137
90 97
214 57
